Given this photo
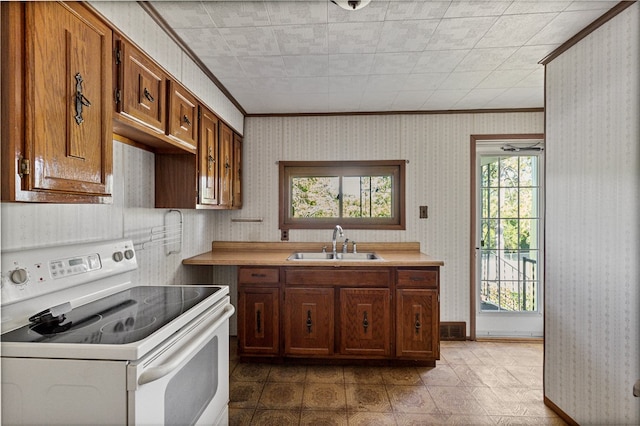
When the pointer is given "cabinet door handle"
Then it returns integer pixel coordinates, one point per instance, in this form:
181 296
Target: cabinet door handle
81 100
309 321
365 321
186 120
147 95
418 325
259 321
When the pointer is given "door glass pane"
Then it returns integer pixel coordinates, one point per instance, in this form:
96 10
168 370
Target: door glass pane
509 233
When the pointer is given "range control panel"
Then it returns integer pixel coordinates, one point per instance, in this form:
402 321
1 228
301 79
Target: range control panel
33 273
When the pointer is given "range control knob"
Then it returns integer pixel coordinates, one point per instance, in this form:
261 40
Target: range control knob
19 276
118 256
128 254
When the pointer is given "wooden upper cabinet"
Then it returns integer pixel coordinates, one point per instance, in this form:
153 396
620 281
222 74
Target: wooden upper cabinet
56 104
226 165
237 172
141 87
208 158
182 122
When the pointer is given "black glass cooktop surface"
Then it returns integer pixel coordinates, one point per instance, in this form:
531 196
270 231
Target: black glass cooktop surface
123 317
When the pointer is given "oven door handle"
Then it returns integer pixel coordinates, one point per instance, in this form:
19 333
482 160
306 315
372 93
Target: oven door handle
155 373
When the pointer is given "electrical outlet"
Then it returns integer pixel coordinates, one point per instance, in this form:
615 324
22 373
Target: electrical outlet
424 212
284 234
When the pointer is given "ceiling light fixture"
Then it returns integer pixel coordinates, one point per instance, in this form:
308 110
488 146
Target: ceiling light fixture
351 4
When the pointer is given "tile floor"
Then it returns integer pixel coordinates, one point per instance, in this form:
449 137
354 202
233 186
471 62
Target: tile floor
474 383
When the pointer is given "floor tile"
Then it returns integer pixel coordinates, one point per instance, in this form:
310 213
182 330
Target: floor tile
240 416
400 376
409 419
371 419
281 396
442 375
362 374
287 373
248 372
456 400
325 374
244 394
323 418
365 397
411 399
276 417
328 396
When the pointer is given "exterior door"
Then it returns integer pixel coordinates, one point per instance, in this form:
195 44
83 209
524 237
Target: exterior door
509 224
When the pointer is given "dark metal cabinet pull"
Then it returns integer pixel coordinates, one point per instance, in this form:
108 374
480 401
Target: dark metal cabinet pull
81 100
418 325
186 120
258 275
147 95
309 321
258 321
365 322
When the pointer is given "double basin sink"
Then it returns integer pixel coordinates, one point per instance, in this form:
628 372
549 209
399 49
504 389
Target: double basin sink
315 256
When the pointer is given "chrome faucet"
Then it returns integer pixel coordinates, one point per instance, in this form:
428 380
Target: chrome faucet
345 245
336 230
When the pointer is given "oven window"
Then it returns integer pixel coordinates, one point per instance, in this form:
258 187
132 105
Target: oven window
190 391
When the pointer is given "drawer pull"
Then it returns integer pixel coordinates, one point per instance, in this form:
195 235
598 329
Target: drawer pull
414 278
418 325
81 100
365 322
259 275
148 95
309 321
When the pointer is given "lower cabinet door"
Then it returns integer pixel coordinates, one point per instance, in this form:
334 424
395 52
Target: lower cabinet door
417 320
258 320
308 321
365 321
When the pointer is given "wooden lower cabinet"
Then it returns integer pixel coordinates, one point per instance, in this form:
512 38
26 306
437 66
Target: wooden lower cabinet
339 313
417 324
308 321
365 321
258 320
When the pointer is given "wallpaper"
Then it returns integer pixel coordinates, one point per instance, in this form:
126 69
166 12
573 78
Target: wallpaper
438 175
592 339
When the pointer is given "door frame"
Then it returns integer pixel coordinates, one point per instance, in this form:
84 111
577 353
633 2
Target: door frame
474 139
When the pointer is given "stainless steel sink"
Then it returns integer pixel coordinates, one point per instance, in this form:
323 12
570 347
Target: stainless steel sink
329 256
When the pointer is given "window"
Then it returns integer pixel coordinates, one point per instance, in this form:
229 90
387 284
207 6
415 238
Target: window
354 194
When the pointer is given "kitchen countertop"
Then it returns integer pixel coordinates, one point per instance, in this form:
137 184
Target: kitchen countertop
236 253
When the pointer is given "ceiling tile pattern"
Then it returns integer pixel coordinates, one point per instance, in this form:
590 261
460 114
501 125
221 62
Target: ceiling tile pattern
313 56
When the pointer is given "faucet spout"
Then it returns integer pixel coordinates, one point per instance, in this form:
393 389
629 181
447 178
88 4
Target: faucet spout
336 230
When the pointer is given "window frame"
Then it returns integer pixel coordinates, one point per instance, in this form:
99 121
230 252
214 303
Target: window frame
289 169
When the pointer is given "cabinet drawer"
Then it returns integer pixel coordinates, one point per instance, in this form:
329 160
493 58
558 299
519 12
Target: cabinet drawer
338 277
258 275
417 278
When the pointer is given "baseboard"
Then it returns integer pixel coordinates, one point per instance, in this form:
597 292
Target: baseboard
510 339
564 416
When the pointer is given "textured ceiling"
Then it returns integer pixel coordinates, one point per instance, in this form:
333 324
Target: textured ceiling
313 56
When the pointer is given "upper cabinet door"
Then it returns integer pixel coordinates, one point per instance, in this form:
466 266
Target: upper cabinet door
183 116
208 155
226 165
143 88
67 111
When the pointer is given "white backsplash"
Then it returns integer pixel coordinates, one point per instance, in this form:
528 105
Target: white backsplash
28 225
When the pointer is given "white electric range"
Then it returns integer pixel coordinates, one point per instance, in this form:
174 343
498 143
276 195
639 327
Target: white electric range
82 344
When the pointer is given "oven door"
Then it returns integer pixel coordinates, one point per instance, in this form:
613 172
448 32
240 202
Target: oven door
185 381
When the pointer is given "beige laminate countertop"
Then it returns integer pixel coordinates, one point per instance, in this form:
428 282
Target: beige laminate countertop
232 253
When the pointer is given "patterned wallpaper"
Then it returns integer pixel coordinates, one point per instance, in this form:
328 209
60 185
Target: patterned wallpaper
437 147
133 21
592 350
